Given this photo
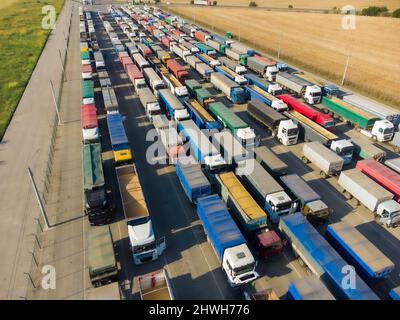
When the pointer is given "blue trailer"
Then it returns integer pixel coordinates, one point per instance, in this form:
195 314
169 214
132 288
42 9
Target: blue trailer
394 294
201 116
119 141
322 259
205 48
257 93
192 178
173 105
370 263
239 79
201 147
308 288
227 241
257 81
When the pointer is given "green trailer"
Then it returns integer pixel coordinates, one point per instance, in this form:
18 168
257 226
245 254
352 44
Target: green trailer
169 20
85 56
204 97
227 117
357 117
87 91
192 85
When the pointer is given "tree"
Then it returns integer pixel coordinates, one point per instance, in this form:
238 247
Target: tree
290 6
191 1
215 2
373 11
253 4
157 1
396 13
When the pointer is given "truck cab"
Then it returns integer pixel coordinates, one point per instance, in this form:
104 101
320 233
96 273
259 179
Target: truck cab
181 115
239 265
316 211
277 204
140 83
344 148
247 137
388 213
215 163
142 240
312 94
268 243
153 109
287 133
382 131
275 89
270 73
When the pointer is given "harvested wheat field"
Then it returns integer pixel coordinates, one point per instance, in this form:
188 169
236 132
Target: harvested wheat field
318 43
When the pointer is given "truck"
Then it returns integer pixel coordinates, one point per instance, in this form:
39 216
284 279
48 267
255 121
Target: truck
231 149
370 263
264 67
393 164
172 142
155 286
193 61
85 58
226 240
208 60
327 161
233 65
192 85
233 54
274 89
86 71
174 107
131 48
204 70
380 110
259 289
382 175
270 161
101 262
283 129
217 46
204 97
309 92
160 122
90 126
144 49
190 46
136 77
104 79
192 179
142 240
87 92
321 259
308 288
368 124
181 51
374 197
96 203
267 192
149 102
257 93
205 49
200 116
109 99
318 117
140 61
363 147
236 125
232 90
119 142
164 56
231 75
309 202
153 80
178 70
99 60
174 85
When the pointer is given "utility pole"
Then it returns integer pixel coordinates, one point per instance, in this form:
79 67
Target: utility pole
55 102
38 199
345 69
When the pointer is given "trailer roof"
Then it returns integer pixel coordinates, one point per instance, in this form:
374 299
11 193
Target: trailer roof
92 166
100 250
310 288
226 115
192 172
116 129
270 159
203 113
315 126
89 116
351 108
299 187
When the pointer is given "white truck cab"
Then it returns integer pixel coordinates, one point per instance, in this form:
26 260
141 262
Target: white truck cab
90 134
382 130
275 89
388 213
239 265
279 203
140 83
240 69
215 163
142 240
270 73
152 109
240 79
312 94
287 133
247 137
344 148
180 115
279 105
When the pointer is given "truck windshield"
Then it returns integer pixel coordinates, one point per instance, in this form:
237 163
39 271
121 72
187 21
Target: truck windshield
388 131
144 248
315 94
244 269
346 151
284 206
292 132
329 124
95 197
121 146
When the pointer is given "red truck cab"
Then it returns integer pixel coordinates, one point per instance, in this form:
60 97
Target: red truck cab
268 243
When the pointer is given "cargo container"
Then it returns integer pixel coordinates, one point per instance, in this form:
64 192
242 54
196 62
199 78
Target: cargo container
178 70
232 90
143 243
318 117
167 41
208 60
148 42
308 201
131 48
200 116
236 125
327 161
149 102
321 259
173 144
393 164
380 110
110 99
283 129
201 36
101 262
308 288
219 47
144 49
370 263
204 97
99 60
126 61
263 84
204 70
180 51
394 294
201 148
87 92
192 85
370 125
155 286
240 57
191 47
381 174
232 64
119 142
259 289
241 80
85 58
270 161
257 93
140 61
230 148
163 56
153 80
136 77
174 85
264 67
86 71
363 147
377 199
309 92
192 179
160 122
90 127
193 61
174 107
205 49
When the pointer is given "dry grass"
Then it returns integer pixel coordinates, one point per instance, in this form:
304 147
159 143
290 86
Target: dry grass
317 43
320 4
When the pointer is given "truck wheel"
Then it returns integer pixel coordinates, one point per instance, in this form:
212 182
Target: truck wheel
347 195
323 175
304 159
280 141
301 262
374 138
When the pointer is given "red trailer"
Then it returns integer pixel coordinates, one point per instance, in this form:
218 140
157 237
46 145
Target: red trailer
177 33
383 175
149 28
121 55
88 116
200 36
322 119
166 41
134 75
178 70
126 61
266 60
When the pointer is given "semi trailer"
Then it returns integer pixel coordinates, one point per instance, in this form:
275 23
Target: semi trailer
155 286
232 64
200 116
308 288
149 102
270 161
231 89
274 89
90 125
263 66
231 75
174 107
309 92
257 93
119 142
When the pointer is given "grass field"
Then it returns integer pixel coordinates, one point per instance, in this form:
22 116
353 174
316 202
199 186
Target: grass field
320 4
318 43
21 42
